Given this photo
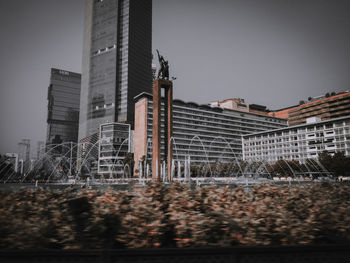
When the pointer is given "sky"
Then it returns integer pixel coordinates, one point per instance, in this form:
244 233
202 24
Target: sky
269 52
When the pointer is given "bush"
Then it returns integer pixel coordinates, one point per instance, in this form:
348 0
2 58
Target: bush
175 216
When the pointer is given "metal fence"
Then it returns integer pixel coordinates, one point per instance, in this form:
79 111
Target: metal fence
287 254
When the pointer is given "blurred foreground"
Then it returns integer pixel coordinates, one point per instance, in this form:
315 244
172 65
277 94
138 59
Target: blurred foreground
175 216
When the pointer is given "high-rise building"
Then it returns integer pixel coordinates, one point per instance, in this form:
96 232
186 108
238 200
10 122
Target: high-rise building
63 108
24 155
117 61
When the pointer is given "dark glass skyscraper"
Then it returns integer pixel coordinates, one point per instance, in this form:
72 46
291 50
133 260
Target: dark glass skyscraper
117 58
63 107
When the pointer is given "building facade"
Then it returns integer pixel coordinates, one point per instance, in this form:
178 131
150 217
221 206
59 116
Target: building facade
241 105
299 142
204 133
12 158
63 108
24 155
282 113
327 107
40 149
117 58
233 104
114 144
154 71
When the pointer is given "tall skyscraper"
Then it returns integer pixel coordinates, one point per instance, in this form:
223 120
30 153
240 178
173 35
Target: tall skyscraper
24 155
63 107
117 59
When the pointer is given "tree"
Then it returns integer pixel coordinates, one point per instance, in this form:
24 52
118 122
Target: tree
281 168
325 159
339 164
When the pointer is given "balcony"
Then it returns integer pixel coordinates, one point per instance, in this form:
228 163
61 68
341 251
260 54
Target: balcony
330 147
329 134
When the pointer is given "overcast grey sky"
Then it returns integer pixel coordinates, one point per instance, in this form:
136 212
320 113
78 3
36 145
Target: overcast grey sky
269 52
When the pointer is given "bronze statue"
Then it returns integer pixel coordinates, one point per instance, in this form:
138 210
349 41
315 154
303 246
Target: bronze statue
163 72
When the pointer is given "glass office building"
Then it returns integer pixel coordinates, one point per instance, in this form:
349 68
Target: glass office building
117 59
63 107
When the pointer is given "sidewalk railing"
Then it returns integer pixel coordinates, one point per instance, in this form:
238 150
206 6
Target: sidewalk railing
269 254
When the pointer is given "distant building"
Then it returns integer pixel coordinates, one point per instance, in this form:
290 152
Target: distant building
63 108
117 61
24 150
24 155
259 109
12 158
40 150
233 104
300 142
114 144
154 71
325 107
239 104
205 133
282 113
88 154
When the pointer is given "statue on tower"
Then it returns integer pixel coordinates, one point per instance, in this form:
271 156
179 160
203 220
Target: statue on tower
163 72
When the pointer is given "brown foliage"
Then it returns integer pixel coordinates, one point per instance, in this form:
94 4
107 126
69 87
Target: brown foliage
175 215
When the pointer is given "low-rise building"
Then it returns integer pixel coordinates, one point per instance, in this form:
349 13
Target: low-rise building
299 142
114 144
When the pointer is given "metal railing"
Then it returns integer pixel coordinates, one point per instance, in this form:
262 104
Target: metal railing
268 254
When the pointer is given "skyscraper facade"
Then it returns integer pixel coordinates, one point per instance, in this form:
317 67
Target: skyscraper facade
117 59
63 107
